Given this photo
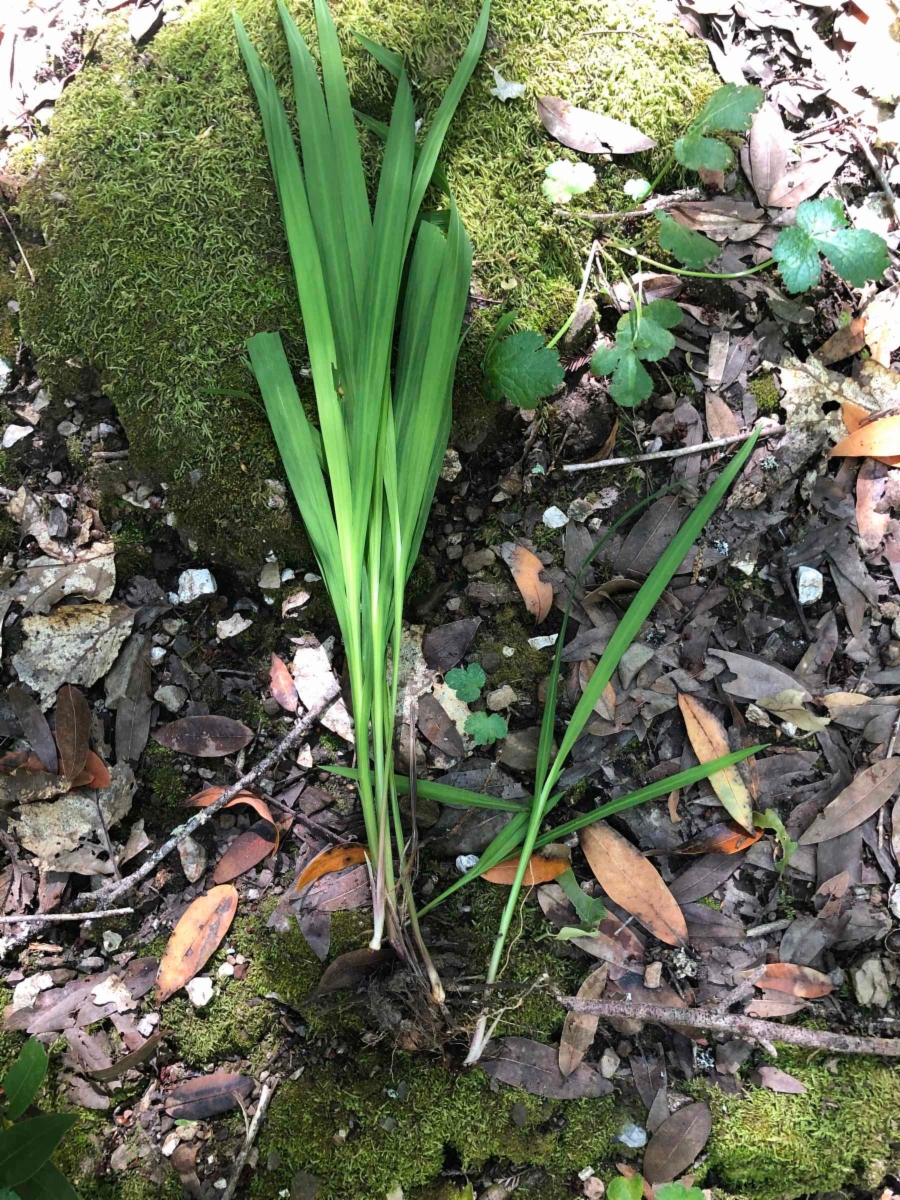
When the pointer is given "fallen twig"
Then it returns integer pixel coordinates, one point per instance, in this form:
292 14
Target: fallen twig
744 988
762 1031
681 452
265 1097
52 918
877 170
114 891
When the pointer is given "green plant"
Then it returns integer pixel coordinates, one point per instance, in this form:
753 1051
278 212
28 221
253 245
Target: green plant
642 333
466 681
26 1171
485 728
362 481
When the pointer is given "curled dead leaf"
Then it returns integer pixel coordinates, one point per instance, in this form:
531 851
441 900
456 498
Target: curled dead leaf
579 1028
709 741
526 570
543 866
335 858
195 938
805 983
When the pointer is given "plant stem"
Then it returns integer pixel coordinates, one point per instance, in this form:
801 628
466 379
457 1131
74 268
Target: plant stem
770 262
663 171
595 246
680 452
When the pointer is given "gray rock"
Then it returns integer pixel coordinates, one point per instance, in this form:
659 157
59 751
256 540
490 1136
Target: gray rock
520 749
270 577
870 983
500 698
195 583
478 560
579 337
171 697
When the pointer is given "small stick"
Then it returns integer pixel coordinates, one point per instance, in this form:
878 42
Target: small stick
680 452
770 927
12 234
50 918
894 732
265 1097
744 988
114 891
761 1031
877 170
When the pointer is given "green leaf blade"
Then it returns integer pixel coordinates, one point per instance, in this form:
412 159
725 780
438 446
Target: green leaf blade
688 246
27 1146
699 153
24 1078
797 258
730 107
485 728
467 682
523 369
631 382
857 255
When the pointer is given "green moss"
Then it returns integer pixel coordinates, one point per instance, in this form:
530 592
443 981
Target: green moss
444 1114
765 392
843 1130
527 666
9 337
159 770
164 250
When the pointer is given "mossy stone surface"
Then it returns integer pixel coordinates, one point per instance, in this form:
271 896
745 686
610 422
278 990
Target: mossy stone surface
164 242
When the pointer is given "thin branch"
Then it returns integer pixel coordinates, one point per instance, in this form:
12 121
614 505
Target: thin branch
877 170
12 233
265 1097
744 988
114 891
52 918
680 452
761 1031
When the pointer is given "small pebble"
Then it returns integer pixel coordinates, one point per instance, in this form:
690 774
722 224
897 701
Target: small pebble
193 584
465 862
544 642
609 1063
15 433
200 991
653 975
225 971
270 576
555 518
810 583
232 627
171 697
111 940
501 698
508 651
632 1136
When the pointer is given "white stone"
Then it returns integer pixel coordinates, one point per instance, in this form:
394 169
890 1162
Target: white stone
15 433
270 576
192 584
508 651
157 654
225 971
465 862
451 466
147 1024
894 900
26 992
809 585
555 518
171 1144
171 697
506 89
501 698
544 642
232 627
609 1063
111 941
870 983
200 991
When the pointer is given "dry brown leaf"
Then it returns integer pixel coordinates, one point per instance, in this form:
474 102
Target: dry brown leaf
211 794
801 982
632 882
854 416
849 339
589 132
195 938
246 851
768 150
725 837
777 1080
543 866
677 1143
869 791
281 685
805 180
579 1028
881 320
672 806
709 741
876 439
94 773
526 570
73 724
335 858
720 420
35 728
871 486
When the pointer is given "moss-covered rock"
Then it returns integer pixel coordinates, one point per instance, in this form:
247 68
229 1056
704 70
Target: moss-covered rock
164 242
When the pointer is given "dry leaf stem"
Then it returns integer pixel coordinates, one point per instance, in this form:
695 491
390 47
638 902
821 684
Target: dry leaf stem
114 891
52 918
765 431
877 170
766 1032
265 1098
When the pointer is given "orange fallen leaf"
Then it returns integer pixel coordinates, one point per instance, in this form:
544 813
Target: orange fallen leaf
709 741
94 773
876 439
672 805
246 851
802 982
526 571
606 701
541 868
725 837
195 938
211 794
335 858
281 685
849 339
720 420
579 1029
632 882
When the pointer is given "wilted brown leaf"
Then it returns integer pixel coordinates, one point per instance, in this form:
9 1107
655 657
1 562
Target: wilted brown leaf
543 866
677 1143
526 570
335 858
768 149
725 837
281 685
73 724
779 1081
211 794
801 982
755 677
438 727
248 849
648 538
720 420
94 773
34 727
579 1028
350 969
143 1054
195 938
632 882
805 180
533 1067
869 791
589 132
204 737
709 741
849 339
878 439
445 646
871 487
881 321
703 877
207 1095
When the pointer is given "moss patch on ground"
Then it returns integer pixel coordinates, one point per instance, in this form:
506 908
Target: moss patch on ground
164 243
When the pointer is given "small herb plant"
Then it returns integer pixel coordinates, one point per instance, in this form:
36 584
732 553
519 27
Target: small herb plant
467 682
621 1188
26 1145
485 728
524 370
